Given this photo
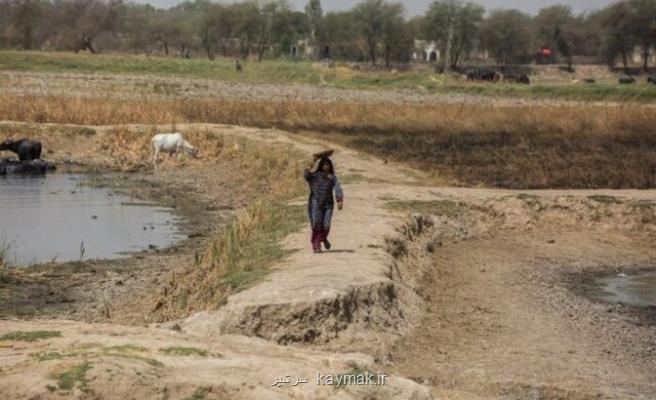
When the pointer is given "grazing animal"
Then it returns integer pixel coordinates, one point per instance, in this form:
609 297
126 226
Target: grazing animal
26 149
171 143
521 78
651 79
31 167
482 74
238 66
590 80
626 80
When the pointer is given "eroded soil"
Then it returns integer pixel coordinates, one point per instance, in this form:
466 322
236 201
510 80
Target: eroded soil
476 296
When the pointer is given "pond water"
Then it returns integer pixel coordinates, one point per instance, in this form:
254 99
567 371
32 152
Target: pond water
56 218
636 290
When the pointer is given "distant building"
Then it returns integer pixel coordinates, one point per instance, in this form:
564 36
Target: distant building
425 50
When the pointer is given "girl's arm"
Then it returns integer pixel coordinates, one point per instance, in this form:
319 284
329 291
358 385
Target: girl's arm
306 172
339 194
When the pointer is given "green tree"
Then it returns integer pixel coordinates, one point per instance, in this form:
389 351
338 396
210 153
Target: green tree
290 27
25 18
555 28
5 22
209 28
643 26
269 16
617 23
454 25
79 22
165 29
246 21
315 21
508 36
397 37
378 21
138 27
370 16
342 34
586 38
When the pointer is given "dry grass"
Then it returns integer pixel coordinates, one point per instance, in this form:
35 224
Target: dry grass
327 117
244 250
584 146
236 258
5 250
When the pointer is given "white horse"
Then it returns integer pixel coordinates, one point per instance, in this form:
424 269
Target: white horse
171 143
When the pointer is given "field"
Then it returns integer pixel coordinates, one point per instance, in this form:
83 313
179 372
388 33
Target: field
422 80
477 221
566 146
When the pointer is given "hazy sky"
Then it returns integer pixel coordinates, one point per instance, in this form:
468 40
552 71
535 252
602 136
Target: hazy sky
415 7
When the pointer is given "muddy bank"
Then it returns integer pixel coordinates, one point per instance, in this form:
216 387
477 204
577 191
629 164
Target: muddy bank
589 284
203 193
95 290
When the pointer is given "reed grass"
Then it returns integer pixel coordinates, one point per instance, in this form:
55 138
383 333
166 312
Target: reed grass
244 250
342 117
581 146
5 251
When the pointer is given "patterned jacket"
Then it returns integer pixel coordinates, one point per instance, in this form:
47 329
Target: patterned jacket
321 188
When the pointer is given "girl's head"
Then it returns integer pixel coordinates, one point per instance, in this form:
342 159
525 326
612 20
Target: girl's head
325 165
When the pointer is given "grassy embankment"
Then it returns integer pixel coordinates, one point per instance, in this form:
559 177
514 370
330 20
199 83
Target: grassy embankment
513 147
287 71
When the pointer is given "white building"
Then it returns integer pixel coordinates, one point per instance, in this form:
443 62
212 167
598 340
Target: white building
426 50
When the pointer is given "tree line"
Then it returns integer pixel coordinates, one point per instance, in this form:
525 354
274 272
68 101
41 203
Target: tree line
377 31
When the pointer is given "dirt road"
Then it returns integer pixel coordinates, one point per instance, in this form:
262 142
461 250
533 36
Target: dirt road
477 296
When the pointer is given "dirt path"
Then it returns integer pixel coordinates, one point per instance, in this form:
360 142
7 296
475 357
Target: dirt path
474 299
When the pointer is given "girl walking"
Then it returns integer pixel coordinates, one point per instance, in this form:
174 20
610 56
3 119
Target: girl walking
322 182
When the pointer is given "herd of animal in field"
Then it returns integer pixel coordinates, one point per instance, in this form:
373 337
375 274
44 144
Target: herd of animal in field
29 153
490 75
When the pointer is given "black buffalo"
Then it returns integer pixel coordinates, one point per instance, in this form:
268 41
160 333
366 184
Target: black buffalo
26 149
482 74
626 80
31 167
521 78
